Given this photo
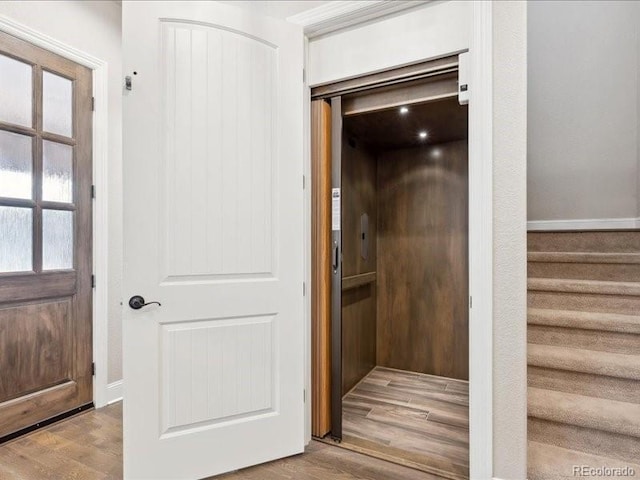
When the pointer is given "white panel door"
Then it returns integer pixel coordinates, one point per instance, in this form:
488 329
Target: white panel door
213 231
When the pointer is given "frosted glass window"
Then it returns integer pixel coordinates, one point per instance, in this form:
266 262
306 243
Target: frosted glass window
57 103
16 165
15 91
57 165
16 247
57 239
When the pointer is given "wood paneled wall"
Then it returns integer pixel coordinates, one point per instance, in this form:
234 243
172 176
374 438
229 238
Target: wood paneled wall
422 265
358 303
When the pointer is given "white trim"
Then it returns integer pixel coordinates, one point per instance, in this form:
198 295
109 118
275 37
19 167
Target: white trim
30 35
114 392
306 125
100 165
100 235
339 14
481 243
585 224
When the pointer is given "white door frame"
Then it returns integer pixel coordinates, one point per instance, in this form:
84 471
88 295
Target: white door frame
345 14
100 180
481 243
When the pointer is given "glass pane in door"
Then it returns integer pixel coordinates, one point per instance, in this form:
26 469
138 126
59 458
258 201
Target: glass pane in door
57 104
16 247
57 165
15 91
57 239
16 165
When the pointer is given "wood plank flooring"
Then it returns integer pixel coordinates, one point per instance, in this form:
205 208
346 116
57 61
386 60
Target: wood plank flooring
414 419
89 447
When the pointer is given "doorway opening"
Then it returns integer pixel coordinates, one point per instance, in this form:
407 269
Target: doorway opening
390 269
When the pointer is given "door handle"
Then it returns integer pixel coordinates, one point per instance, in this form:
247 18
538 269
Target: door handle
336 257
137 302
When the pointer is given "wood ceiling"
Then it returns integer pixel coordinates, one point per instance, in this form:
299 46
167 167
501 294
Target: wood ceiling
443 120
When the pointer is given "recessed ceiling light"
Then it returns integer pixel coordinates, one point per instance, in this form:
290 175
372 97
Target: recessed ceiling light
404 110
422 134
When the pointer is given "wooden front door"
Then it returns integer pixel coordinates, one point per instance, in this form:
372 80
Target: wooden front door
45 235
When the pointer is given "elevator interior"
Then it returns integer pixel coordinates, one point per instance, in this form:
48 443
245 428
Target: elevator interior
404 284
389 242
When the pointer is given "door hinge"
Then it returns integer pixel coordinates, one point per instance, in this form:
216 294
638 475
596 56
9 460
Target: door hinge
304 288
127 83
93 191
304 182
304 75
304 395
470 301
93 281
93 369
93 104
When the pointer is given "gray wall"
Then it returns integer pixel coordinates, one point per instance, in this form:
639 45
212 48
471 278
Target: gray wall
583 110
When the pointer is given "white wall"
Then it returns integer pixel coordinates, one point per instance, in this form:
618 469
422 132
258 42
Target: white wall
426 32
509 240
95 28
583 110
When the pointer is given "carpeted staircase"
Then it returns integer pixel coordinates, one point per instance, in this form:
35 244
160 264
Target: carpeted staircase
583 354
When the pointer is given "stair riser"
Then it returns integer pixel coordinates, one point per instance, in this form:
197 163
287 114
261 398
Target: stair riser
597 442
599 386
627 343
585 271
609 242
628 305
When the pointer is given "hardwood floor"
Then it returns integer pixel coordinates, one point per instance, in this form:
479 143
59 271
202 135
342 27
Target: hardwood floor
89 447
321 462
414 419
85 447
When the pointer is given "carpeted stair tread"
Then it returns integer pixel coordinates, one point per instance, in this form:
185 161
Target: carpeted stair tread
585 361
589 412
583 286
549 462
608 322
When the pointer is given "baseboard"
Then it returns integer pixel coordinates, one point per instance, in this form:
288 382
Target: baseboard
114 392
585 224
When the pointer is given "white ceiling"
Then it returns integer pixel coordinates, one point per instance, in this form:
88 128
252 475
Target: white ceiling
272 8
279 9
